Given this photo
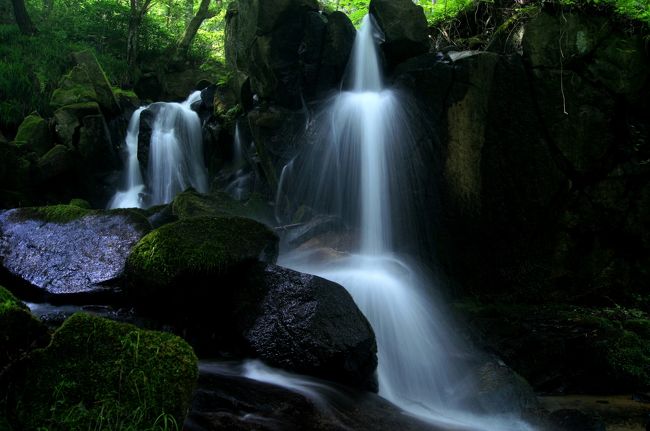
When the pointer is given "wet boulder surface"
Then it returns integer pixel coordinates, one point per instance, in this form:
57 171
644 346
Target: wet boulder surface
306 324
65 251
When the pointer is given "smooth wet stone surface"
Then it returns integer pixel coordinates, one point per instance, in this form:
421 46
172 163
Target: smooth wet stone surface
67 257
226 399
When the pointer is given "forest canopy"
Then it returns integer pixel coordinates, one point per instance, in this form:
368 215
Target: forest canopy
132 36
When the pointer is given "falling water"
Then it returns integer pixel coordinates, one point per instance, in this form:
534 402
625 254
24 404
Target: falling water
365 133
239 186
175 156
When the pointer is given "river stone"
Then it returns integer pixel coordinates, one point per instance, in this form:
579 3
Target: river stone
405 28
67 250
96 371
223 393
306 324
188 261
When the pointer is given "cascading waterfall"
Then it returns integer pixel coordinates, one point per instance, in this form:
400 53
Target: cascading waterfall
239 187
175 156
364 133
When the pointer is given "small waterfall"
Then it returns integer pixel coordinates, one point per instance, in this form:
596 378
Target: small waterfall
175 156
356 170
131 196
239 187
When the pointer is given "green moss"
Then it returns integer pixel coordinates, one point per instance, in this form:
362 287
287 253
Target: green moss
194 247
193 204
55 213
80 203
20 332
73 95
34 133
99 374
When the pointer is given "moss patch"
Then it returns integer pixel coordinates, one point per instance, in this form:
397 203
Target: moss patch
20 332
99 374
561 346
193 204
196 248
34 132
54 213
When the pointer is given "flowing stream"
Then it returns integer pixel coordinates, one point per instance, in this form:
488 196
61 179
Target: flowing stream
365 134
175 156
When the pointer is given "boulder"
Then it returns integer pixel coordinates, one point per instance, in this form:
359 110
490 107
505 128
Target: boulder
193 204
87 82
16 168
337 47
98 372
20 332
306 324
278 46
225 390
405 28
66 250
181 262
56 162
96 150
34 132
68 120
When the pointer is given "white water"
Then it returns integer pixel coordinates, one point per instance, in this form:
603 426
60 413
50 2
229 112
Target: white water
239 187
175 156
366 134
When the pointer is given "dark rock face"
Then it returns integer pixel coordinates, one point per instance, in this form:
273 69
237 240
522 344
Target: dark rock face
279 48
222 396
405 28
66 250
575 420
306 324
542 166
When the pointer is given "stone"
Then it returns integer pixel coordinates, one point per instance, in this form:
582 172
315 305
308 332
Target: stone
190 259
405 28
55 163
306 324
97 371
20 332
34 131
68 120
337 47
68 251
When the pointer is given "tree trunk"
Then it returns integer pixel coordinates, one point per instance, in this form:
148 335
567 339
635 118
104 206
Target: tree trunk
22 17
193 27
132 41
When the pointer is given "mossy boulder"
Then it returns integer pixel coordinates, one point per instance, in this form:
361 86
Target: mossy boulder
567 348
68 120
97 373
55 163
193 204
184 260
34 132
86 82
20 332
80 203
68 250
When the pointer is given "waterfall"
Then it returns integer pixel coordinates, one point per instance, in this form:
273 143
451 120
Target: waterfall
175 160
354 169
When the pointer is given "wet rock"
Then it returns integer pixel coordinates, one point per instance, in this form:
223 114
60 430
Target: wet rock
97 371
317 226
405 28
306 324
63 251
337 47
223 394
575 420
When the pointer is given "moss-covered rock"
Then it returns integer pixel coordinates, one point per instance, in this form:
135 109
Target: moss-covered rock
80 203
99 374
186 258
193 204
35 133
56 162
565 348
68 120
20 332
